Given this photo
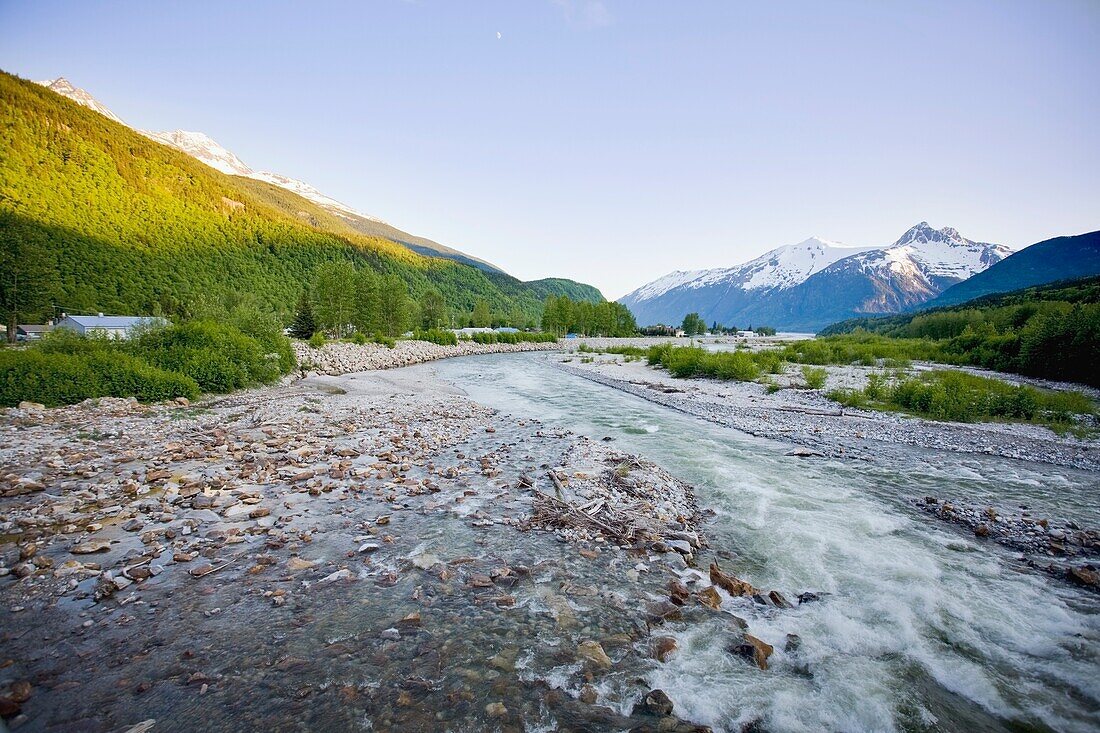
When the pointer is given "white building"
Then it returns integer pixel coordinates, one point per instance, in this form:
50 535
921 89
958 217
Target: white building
111 326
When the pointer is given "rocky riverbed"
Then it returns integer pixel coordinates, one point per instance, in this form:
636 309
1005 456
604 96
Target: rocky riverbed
336 358
807 418
370 551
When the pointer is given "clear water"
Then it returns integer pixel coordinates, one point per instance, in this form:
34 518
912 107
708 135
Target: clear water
923 627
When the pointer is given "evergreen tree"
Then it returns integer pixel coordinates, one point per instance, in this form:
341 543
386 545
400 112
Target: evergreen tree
304 324
693 325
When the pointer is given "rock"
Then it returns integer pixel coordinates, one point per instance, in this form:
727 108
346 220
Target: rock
678 592
496 710
91 547
258 512
32 406
589 695
808 597
297 563
69 567
794 643
133 525
391 634
1084 576
709 597
755 649
343 574
732 585
982 530
23 570
20 691
592 653
655 702
370 547
778 600
201 569
664 646
804 453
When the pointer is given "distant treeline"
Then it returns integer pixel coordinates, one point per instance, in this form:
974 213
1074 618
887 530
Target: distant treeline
1051 331
562 315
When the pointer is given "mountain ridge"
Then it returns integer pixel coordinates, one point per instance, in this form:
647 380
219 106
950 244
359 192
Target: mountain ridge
815 282
205 149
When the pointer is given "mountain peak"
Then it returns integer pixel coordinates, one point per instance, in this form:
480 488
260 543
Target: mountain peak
65 88
925 233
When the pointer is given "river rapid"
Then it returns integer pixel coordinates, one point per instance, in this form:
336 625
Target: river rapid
920 626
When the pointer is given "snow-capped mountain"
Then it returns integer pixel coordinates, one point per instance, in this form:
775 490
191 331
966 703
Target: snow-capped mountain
202 147
207 150
813 283
728 289
62 86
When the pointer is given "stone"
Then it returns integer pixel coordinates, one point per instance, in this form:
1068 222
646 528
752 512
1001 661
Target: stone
664 646
391 634
496 710
778 600
981 530
755 649
369 547
32 406
592 652
1084 576
298 563
201 569
732 585
655 702
709 597
20 691
133 525
589 695
678 593
91 547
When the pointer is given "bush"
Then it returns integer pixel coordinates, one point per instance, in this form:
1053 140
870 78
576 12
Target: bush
55 378
317 340
815 376
436 336
219 357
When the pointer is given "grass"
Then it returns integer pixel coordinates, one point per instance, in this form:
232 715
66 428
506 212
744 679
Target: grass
956 396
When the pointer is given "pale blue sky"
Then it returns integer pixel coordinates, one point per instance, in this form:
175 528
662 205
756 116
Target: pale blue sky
614 141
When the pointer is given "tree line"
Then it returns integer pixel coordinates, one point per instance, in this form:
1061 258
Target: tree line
561 315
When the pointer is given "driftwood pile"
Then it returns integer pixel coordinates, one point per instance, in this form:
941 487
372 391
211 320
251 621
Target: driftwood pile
626 501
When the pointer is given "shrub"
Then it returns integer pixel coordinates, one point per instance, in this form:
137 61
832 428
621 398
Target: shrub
815 376
317 340
436 336
55 378
219 357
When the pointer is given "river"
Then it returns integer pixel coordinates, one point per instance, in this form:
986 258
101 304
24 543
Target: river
920 626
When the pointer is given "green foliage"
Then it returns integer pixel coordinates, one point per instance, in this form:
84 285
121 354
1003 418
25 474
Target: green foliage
219 357
436 336
562 315
96 217
693 325
957 396
625 350
815 376
1051 332
304 324
317 340
764 331
518 337
433 309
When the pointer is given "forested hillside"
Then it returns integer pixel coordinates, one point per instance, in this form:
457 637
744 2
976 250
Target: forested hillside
95 217
1050 331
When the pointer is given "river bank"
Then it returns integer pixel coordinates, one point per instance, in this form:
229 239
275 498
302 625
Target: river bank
374 547
337 358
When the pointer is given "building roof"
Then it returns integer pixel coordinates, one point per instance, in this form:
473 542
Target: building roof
33 328
114 321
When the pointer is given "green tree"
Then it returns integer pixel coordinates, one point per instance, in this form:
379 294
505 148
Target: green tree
482 316
368 302
433 309
395 306
304 325
693 325
27 279
334 296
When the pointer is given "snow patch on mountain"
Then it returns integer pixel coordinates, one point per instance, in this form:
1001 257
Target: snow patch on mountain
923 252
62 86
205 149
